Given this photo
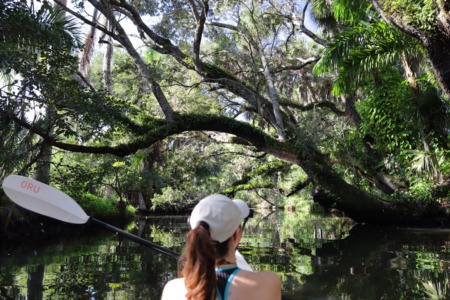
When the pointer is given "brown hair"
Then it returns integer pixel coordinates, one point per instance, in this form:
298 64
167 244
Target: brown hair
199 263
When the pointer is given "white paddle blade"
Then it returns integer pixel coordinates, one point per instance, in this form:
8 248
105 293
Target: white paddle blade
43 199
241 262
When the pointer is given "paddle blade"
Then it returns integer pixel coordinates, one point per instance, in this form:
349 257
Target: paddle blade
242 263
43 199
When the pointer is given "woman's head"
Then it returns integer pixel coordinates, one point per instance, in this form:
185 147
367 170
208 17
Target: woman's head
214 221
222 215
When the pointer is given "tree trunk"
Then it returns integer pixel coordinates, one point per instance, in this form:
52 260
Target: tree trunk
144 71
42 172
35 283
435 40
439 53
270 87
142 205
331 191
107 57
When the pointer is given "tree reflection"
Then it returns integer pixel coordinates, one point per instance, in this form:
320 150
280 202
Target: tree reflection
316 257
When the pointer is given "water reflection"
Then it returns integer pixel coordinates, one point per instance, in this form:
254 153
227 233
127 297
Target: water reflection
377 263
317 258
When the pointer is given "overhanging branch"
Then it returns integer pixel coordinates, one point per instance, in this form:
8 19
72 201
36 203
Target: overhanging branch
157 129
325 104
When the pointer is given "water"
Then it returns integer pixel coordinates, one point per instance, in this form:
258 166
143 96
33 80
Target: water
317 258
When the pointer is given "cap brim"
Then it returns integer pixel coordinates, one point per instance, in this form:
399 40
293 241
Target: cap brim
243 207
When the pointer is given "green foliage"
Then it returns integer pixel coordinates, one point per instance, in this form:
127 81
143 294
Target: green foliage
421 191
349 11
41 33
260 177
360 51
362 58
169 198
445 165
108 176
193 169
97 206
389 116
436 290
37 47
399 124
421 14
101 208
427 162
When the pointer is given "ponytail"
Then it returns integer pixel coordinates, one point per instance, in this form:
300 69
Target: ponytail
199 268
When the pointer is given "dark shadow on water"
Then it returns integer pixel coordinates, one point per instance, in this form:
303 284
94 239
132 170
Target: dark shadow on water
380 263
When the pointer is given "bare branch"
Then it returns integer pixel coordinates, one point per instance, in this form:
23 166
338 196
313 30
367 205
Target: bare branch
304 63
85 81
122 37
163 42
198 36
300 22
314 105
194 10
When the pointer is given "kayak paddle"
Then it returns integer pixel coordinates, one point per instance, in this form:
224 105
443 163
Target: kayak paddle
48 201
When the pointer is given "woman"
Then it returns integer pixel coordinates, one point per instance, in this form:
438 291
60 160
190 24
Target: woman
210 268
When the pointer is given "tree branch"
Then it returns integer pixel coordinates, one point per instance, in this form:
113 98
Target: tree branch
198 36
86 21
155 130
194 10
298 186
398 23
163 42
308 32
304 63
314 105
123 38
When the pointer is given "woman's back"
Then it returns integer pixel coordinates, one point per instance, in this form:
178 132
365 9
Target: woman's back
209 263
246 285
255 285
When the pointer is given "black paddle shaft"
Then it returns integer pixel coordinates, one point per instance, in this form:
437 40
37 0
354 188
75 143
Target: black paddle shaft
136 238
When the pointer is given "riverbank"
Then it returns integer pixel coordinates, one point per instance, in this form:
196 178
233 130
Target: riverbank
17 223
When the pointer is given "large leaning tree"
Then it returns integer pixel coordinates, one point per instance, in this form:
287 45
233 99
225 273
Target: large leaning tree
265 76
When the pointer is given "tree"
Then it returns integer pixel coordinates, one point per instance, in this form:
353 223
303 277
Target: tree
251 66
44 40
427 21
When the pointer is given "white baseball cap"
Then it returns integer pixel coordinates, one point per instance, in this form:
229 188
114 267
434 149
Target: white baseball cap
222 214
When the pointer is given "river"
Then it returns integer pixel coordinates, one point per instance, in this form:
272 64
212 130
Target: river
317 257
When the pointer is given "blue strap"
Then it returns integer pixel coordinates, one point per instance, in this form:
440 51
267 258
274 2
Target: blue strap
227 286
219 296
226 268
229 282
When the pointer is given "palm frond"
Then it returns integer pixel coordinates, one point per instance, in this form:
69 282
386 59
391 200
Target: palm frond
362 49
350 11
436 291
426 162
21 24
89 45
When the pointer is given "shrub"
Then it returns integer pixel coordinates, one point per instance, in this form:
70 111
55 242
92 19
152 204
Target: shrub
101 208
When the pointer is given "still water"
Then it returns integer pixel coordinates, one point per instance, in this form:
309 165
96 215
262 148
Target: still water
317 258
